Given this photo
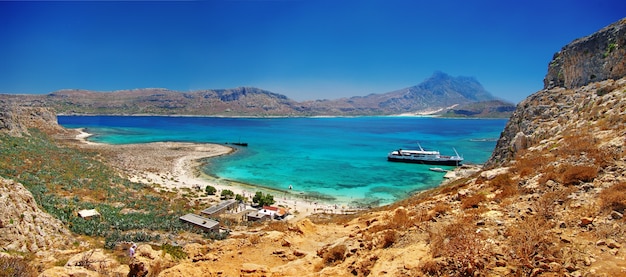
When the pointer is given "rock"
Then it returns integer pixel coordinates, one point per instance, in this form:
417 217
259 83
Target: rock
95 260
562 225
616 215
585 221
298 253
600 243
26 227
137 269
249 269
593 58
610 243
520 142
286 243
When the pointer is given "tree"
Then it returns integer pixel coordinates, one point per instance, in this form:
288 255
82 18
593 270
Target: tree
263 199
228 194
210 190
240 198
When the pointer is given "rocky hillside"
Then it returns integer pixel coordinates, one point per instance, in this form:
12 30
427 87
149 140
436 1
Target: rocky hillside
435 94
23 226
597 59
550 202
16 120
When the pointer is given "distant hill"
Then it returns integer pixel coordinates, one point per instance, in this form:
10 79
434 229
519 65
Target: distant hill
437 94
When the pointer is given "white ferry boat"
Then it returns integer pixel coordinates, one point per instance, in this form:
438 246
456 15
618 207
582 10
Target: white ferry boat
422 156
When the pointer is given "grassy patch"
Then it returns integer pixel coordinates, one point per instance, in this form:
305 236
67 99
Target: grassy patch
64 180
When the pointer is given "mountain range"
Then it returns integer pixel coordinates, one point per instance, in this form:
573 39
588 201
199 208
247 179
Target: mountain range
439 94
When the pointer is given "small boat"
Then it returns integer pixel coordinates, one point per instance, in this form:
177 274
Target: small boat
422 156
240 143
437 169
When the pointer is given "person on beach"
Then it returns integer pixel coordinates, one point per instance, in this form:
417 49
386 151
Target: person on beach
131 250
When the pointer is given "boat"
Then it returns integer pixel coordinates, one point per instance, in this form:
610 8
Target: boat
240 143
437 169
422 156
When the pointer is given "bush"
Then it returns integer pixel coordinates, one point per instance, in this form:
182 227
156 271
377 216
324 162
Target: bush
210 190
472 201
176 252
613 198
15 267
228 194
529 239
459 245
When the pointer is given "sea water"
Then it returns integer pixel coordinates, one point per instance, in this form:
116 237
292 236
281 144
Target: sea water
341 159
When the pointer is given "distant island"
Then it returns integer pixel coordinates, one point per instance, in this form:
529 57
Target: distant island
441 94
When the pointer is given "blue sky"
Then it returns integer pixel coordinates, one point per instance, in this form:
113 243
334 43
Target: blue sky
303 49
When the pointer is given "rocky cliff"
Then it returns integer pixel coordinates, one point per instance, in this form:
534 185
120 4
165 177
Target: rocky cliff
580 75
16 120
594 58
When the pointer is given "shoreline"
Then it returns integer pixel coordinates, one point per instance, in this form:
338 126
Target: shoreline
177 165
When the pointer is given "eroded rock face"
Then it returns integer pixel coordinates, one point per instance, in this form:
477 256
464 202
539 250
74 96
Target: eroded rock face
15 120
581 73
594 58
24 227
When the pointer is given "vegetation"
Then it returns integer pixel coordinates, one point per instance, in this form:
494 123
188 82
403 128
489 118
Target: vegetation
64 180
210 190
15 267
262 199
176 252
227 194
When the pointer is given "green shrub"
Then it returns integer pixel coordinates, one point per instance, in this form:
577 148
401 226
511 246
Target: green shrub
210 190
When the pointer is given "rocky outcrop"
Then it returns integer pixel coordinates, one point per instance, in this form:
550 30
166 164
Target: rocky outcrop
23 226
594 58
580 74
15 120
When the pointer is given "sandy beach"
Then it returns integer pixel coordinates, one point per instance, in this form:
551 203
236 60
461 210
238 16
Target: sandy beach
176 165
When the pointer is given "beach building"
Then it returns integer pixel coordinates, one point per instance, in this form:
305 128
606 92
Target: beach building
222 207
258 216
275 212
201 222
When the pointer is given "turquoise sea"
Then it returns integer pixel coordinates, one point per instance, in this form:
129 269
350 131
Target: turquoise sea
337 159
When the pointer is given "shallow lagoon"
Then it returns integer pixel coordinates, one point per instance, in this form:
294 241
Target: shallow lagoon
342 159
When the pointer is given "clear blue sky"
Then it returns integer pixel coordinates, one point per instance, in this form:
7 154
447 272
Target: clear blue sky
303 49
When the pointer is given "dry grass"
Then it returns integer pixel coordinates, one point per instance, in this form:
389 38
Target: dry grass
613 198
280 226
570 174
504 186
472 202
529 239
15 267
460 246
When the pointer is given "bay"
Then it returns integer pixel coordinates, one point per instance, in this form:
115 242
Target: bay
338 159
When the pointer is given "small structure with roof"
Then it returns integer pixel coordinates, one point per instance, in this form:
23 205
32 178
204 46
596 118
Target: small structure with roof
226 205
258 216
201 222
88 213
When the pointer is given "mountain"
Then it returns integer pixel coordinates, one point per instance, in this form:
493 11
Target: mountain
436 94
549 202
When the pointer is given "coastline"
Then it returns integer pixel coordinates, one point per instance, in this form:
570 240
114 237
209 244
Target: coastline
176 165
